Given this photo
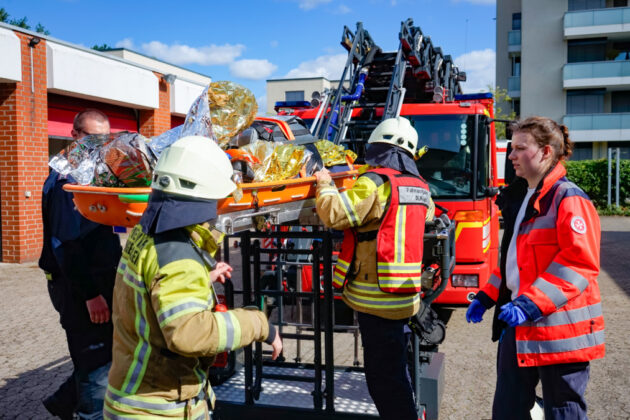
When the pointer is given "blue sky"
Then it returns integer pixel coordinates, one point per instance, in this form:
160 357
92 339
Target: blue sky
251 41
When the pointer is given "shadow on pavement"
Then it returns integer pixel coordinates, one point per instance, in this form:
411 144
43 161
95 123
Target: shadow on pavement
21 396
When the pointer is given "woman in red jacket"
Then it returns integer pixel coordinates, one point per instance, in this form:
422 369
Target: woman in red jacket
548 316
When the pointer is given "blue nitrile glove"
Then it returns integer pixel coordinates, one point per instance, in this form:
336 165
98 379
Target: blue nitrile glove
512 315
475 311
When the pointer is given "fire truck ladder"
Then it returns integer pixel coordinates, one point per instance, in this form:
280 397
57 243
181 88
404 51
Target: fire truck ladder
361 49
417 72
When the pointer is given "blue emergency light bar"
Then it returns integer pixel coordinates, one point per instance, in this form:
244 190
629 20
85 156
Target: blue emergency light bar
292 104
473 96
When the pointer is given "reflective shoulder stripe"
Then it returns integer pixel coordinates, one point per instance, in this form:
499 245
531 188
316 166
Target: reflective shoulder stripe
551 291
559 346
179 308
567 274
568 317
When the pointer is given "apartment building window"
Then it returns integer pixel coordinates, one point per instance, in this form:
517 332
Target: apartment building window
294 95
516 65
586 50
586 4
620 101
624 148
516 106
589 101
516 21
582 151
620 3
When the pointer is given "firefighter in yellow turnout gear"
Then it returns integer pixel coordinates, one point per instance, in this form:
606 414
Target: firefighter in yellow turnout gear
165 332
360 212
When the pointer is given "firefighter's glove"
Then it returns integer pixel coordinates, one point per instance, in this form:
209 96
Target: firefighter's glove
512 315
475 311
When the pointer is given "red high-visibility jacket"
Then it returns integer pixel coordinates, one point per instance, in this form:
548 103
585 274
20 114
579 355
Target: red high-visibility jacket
557 248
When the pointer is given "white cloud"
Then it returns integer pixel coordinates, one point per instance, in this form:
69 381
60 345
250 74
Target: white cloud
183 54
274 43
262 105
328 66
125 43
479 66
252 69
342 9
311 4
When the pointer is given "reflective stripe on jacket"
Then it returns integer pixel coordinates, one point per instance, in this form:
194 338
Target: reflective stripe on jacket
165 333
361 209
557 248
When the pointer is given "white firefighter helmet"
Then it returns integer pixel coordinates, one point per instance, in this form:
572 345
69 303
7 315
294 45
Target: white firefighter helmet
194 166
398 132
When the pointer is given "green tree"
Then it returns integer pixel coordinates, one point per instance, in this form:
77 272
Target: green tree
501 98
102 47
4 16
22 23
40 29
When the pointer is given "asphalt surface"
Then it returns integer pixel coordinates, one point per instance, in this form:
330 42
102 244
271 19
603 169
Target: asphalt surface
34 357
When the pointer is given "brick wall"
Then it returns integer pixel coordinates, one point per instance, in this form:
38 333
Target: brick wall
154 122
23 156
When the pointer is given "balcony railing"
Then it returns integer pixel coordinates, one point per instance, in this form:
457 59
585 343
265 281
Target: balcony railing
514 86
596 69
514 38
615 121
598 17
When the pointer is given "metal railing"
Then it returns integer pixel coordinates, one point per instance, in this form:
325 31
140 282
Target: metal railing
614 121
596 69
514 85
514 37
597 17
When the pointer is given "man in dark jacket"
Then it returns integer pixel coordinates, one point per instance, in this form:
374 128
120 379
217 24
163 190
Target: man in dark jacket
80 259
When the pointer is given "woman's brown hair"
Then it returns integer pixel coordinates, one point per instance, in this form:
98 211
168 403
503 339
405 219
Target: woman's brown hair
546 131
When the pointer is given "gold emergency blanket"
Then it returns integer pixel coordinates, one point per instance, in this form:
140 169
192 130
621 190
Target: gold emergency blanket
334 154
278 161
232 109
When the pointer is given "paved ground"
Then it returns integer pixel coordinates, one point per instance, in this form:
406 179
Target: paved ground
34 358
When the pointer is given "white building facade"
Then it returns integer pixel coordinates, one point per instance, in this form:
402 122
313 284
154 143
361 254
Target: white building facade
569 60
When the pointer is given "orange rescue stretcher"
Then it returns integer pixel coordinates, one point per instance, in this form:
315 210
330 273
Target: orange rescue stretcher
124 206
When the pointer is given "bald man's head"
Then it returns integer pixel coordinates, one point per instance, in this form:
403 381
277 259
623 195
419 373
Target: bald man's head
88 122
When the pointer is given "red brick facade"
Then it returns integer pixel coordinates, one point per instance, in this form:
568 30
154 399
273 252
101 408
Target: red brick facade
23 155
24 151
154 122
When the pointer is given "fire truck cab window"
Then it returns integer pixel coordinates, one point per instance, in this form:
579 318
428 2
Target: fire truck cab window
447 166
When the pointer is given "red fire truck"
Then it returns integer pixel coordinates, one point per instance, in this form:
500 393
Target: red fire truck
421 84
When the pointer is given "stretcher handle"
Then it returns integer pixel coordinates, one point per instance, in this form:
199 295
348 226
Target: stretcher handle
133 198
349 162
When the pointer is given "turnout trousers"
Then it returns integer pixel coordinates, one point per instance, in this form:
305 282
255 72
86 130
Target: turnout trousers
385 344
563 386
